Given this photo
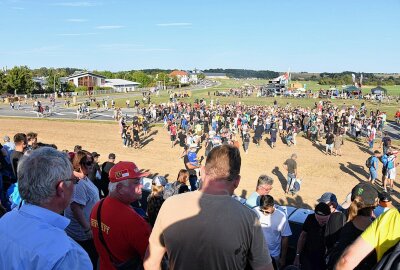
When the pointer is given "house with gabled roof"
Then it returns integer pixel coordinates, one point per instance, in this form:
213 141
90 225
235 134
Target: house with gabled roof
86 78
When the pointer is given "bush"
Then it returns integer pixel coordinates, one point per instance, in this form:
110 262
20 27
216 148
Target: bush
81 89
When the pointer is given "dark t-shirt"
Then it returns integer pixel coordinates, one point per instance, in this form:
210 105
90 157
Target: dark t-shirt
291 165
105 169
348 234
186 160
330 138
92 174
15 157
386 141
315 241
333 228
182 139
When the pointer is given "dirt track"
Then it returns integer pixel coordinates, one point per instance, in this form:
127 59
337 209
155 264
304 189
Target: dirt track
320 173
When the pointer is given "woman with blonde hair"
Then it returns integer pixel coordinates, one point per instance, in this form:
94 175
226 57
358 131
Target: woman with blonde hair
360 215
155 199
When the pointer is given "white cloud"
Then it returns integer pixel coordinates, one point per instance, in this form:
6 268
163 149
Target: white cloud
77 20
75 34
76 4
107 27
174 24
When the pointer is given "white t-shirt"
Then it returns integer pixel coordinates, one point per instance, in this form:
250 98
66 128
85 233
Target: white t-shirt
274 227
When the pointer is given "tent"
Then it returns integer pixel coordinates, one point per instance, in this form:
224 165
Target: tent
352 90
378 91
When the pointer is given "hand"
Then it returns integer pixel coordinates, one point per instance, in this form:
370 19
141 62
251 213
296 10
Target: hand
297 261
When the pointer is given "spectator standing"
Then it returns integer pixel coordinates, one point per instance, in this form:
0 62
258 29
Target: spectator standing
373 169
21 143
105 170
219 246
380 236
32 140
191 164
391 171
83 199
311 244
330 138
95 173
155 199
386 142
264 186
364 199
123 235
291 168
385 203
33 236
276 230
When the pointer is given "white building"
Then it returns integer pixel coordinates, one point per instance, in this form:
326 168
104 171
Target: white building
121 85
85 78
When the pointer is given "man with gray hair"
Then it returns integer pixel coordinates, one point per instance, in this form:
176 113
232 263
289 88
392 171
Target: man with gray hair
33 236
264 186
121 236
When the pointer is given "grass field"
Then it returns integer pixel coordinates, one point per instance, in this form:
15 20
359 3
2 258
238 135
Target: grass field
390 109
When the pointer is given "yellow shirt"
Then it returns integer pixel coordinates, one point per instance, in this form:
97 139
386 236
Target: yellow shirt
384 232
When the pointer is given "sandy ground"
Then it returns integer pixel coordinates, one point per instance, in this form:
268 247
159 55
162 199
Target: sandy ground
320 173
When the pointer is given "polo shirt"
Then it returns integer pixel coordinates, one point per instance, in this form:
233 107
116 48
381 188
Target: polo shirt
34 238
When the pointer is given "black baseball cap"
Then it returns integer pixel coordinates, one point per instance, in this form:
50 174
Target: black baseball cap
366 191
111 156
322 209
384 197
95 154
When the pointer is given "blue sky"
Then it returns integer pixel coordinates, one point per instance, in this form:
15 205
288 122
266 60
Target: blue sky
313 36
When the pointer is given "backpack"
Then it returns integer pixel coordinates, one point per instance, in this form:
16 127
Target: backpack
391 259
390 163
171 189
384 160
368 162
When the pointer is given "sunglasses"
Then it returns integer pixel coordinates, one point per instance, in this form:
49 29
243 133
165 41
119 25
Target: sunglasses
265 212
73 180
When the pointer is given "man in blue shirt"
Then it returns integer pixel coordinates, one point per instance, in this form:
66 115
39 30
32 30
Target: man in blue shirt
373 170
33 236
264 186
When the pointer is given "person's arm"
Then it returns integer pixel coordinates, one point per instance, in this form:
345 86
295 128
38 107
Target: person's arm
284 247
300 245
77 210
354 254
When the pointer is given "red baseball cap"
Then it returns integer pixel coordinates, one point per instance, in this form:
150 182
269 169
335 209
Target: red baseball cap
125 170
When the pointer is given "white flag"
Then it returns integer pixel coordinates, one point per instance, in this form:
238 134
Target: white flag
354 77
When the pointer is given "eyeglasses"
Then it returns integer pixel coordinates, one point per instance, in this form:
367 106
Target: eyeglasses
265 212
73 180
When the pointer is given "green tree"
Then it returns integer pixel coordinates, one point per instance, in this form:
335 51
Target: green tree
201 76
19 80
3 82
142 78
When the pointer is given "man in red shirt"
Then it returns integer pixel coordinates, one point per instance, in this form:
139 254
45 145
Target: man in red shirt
125 233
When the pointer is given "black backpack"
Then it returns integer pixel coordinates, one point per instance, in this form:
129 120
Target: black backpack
391 259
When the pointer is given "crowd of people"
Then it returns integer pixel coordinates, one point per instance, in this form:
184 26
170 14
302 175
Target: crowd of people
64 210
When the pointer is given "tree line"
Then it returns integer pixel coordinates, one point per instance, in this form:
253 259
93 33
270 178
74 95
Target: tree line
19 79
